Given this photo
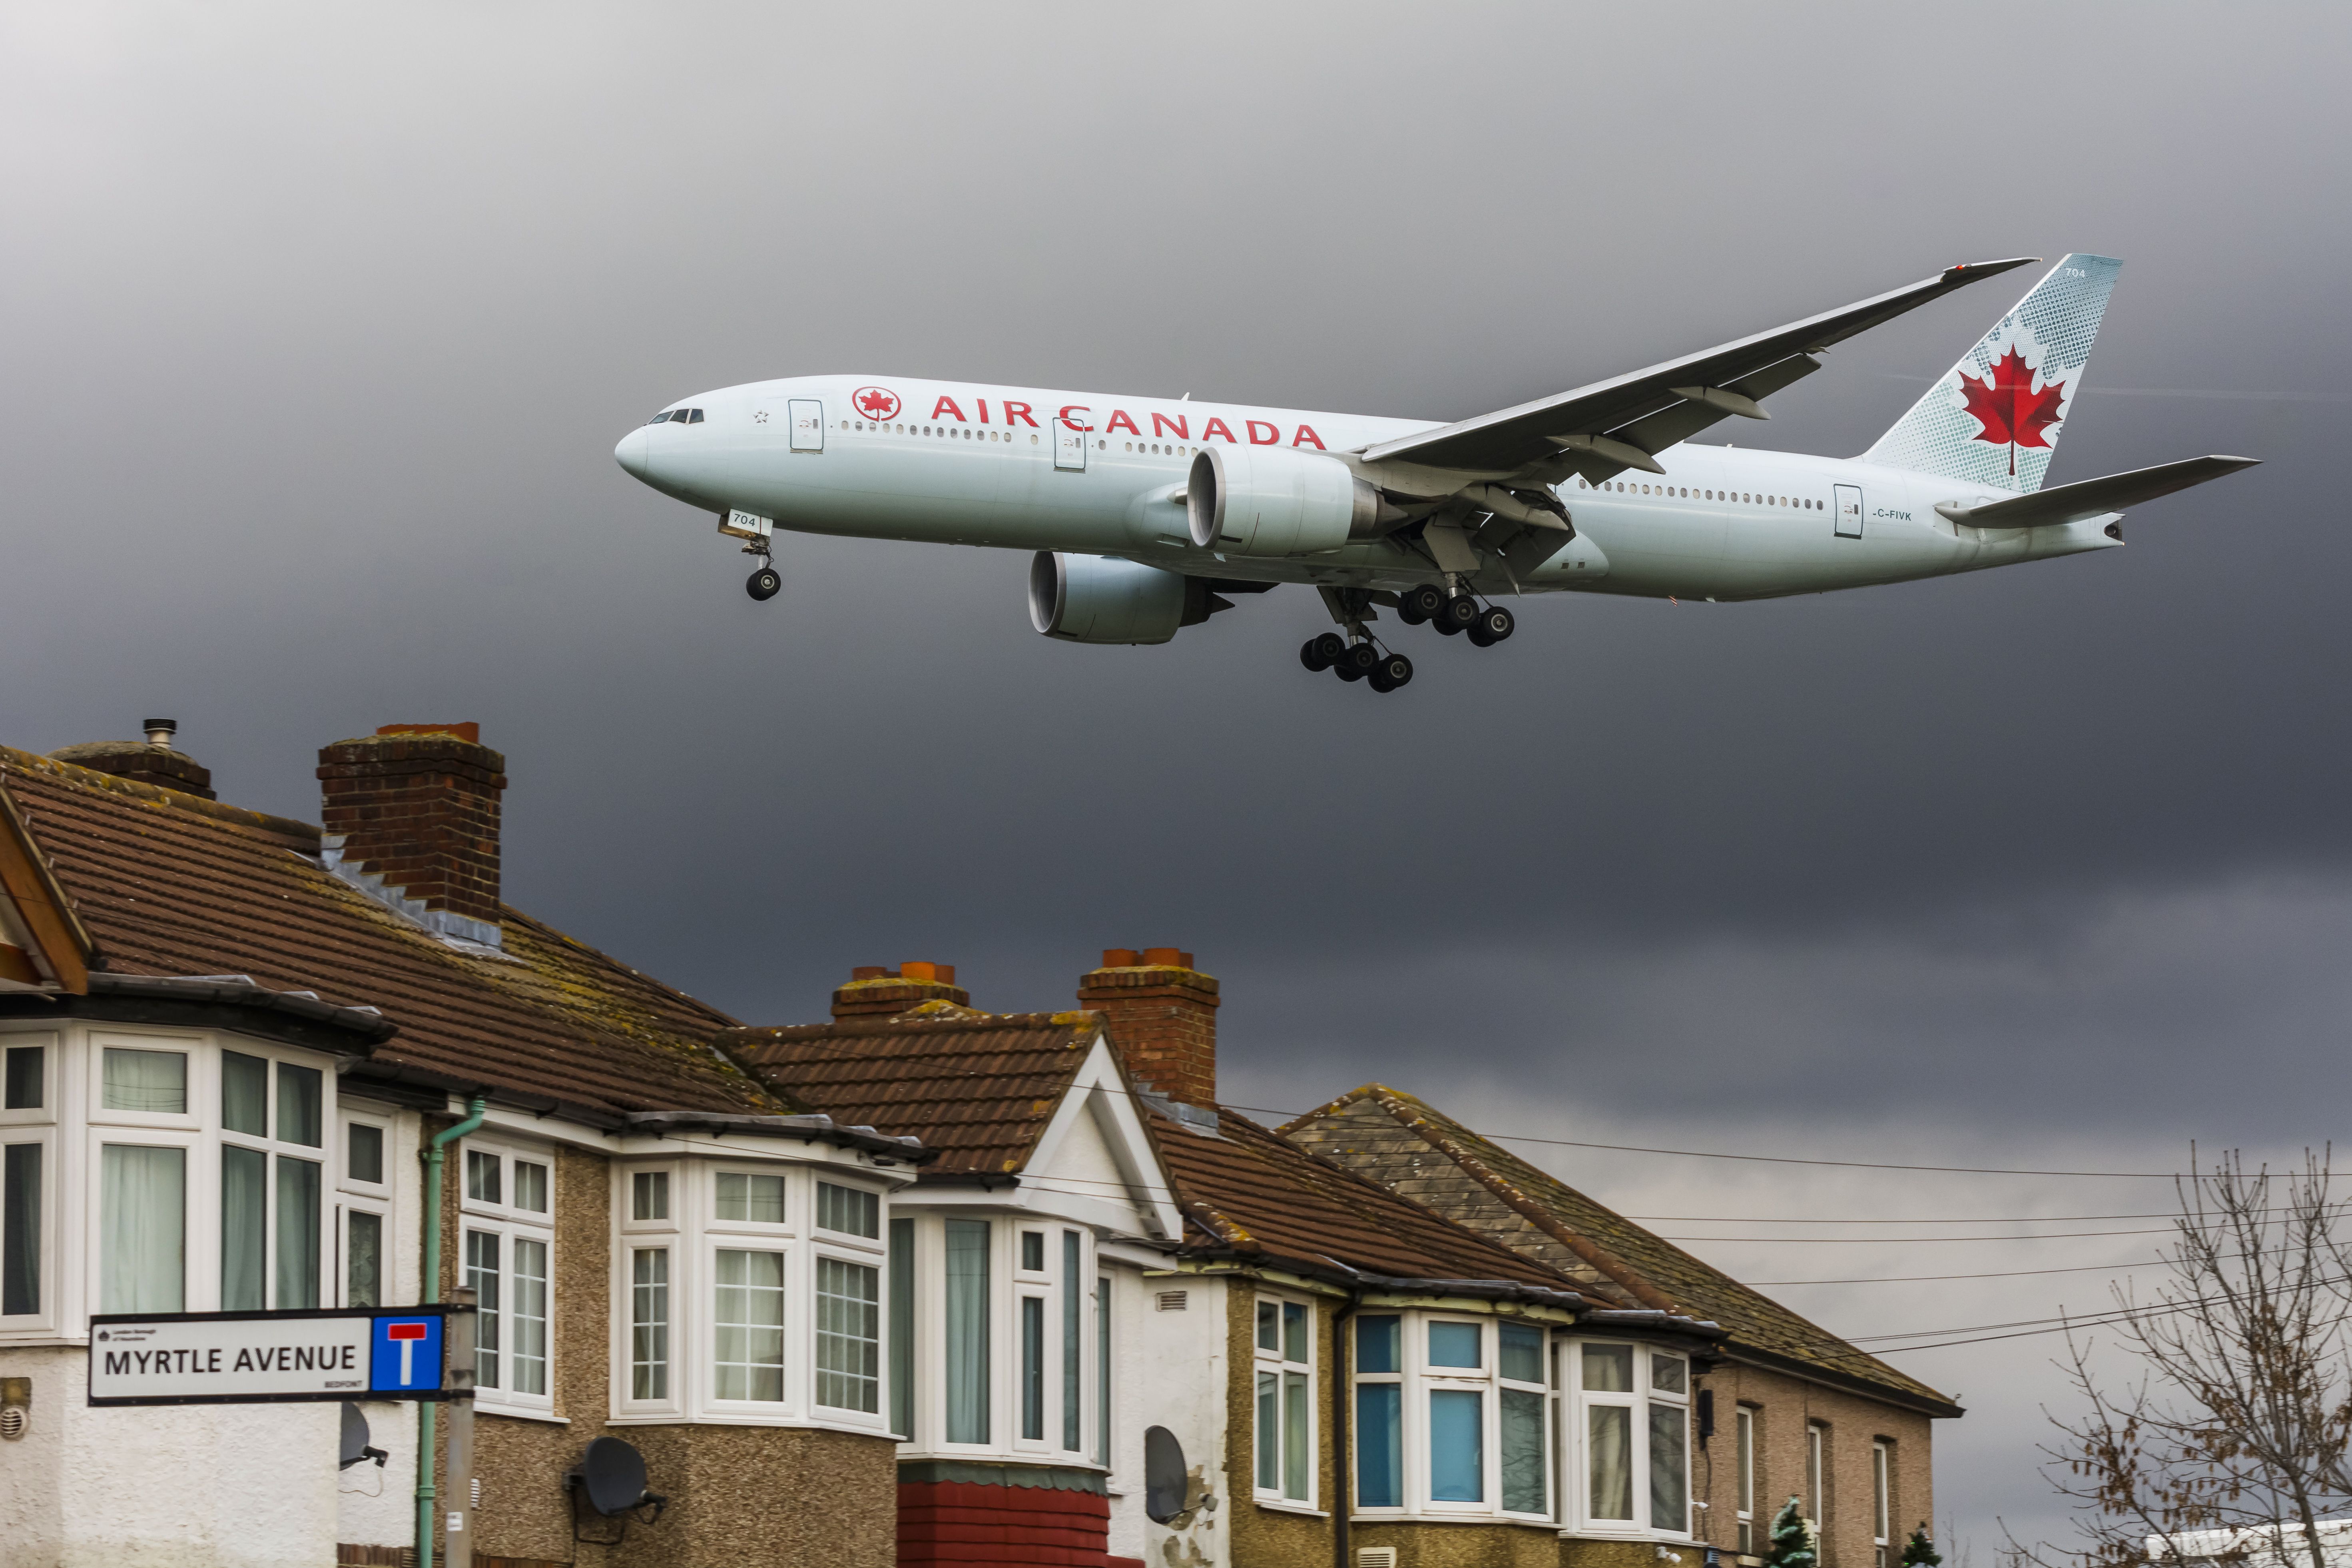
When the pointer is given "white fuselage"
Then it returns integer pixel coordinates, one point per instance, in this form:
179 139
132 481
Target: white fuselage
962 463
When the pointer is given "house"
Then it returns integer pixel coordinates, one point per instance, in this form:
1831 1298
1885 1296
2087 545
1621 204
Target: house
918 1284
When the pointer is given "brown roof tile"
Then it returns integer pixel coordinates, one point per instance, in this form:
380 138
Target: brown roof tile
171 884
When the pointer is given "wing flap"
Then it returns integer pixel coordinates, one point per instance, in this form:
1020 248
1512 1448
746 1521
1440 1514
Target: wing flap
2094 497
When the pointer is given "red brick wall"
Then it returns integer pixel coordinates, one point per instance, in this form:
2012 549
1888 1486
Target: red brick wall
942 1523
418 805
1161 1013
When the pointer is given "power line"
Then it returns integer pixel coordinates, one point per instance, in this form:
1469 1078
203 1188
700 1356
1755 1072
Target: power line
1965 1219
1909 1240
2003 1274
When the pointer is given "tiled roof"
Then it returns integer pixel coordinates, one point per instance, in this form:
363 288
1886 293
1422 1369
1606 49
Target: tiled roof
171 884
979 1088
1249 1191
1394 1139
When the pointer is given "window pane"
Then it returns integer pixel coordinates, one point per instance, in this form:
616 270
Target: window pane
1269 1430
20 1222
299 1186
25 1078
1526 1484
530 1186
1609 1369
1074 1418
482 1184
1294 1333
1295 1428
1878 1488
1457 1463
1376 1345
365 1154
850 1210
849 1336
750 1350
363 1258
1669 1467
1102 1372
1455 1345
1269 1325
902 1327
1033 1251
1380 1445
759 1200
1523 1352
1609 1446
649 1322
298 1118
144 1080
1668 1374
143 1227
1032 1366
482 1276
528 1313
967 1331
245 1228
245 1094
1747 1421
650 1194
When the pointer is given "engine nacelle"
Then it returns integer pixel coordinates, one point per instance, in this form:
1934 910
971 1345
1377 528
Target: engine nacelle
1102 599
1271 500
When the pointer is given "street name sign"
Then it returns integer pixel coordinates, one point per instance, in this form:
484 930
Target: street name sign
265 1358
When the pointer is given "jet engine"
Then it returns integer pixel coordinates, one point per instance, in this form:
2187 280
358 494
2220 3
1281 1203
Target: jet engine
1271 500
1102 599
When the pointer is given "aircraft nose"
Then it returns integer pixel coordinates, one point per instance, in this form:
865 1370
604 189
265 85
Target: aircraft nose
631 452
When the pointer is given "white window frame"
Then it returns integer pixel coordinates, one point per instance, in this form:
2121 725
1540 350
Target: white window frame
874 1256
1817 1473
510 1223
784 1236
1575 1473
38 1125
355 1196
1277 1362
1882 1496
666 1233
1744 1458
52 1048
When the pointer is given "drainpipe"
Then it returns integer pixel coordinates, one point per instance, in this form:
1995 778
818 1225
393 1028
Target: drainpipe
1342 1489
430 1289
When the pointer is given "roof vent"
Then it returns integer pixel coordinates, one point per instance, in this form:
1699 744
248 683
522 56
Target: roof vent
159 731
149 761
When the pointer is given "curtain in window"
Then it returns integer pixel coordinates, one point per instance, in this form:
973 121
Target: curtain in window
1525 1487
20 1226
1380 1445
1457 1460
529 1312
143 1226
364 1259
245 1094
967 1331
1669 1467
144 1080
649 1323
1269 1430
245 1228
1072 1415
1609 1448
849 1336
1295 1427
902 1327
299 1095
297 1232
482 1275
749 1352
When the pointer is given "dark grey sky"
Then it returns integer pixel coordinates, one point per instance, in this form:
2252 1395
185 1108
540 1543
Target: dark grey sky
320 327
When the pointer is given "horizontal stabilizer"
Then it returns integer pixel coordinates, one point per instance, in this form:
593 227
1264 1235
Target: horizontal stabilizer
2093 497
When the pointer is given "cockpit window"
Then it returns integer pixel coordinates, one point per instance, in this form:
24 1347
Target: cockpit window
676 416
694 416
661 418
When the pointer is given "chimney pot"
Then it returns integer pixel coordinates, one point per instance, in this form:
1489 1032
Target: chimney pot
159 731
1121 958
1161 1016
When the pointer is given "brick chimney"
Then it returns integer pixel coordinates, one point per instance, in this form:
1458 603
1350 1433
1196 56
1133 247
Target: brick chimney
150 762
1161 1013
874 992
410 815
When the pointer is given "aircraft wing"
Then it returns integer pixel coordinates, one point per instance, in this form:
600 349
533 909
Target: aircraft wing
1615 425
2094 497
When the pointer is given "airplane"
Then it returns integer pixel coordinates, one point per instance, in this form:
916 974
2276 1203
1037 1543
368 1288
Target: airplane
1150 514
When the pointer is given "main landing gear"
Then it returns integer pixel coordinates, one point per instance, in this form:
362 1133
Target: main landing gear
1455 614
1356 659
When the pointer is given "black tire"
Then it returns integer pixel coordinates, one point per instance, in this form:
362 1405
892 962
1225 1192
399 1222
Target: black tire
1358 660
765 583
1396 669
1497 623
1477 634
1419 606
1318 654
1379 680
1457 614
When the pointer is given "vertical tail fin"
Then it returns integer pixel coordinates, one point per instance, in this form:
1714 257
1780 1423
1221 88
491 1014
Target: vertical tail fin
1994 417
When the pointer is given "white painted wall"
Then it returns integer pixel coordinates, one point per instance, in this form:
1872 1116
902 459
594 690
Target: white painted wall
1171 1372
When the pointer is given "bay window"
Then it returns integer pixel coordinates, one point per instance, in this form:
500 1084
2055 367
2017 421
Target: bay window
967 1331
1284 1359
1636 1433
507 1220
748 1346
1460 1425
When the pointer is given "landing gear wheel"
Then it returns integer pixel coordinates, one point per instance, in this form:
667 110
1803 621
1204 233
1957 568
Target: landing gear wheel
1456 614
1497 622
1394 670
1419 606
1357 661
765 583
1322 653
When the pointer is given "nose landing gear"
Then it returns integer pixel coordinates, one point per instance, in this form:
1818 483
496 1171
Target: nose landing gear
764 583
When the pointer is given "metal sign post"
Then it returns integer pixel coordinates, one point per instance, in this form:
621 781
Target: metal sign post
458 1468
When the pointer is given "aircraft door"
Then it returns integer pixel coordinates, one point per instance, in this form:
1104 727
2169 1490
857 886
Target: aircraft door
1070 440
1849 511
808 425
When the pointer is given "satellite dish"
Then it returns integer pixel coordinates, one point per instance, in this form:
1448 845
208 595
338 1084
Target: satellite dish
610 1477
354 1449
1165 1478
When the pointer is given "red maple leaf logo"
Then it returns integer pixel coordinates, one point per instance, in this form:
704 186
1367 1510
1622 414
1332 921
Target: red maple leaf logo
2008 406
876 402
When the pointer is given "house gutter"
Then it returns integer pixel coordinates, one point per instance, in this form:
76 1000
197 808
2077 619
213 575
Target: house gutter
477 1110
